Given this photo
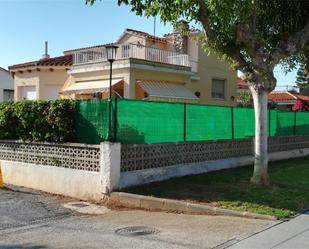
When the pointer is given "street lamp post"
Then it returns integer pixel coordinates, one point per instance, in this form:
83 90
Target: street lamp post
111 51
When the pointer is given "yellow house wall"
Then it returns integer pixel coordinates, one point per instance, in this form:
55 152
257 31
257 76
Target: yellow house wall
41 80
132 39
142 74
145 42
56 79
123 74
214 69
210 67
159 44
193 48
25 79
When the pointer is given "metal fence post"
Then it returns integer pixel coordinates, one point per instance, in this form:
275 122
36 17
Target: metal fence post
294 130
109 119
232 116
184 122
115 119
269 113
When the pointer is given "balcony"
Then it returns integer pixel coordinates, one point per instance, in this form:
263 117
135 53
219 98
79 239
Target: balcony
127 51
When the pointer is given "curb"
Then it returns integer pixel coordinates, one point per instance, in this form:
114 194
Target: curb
160 204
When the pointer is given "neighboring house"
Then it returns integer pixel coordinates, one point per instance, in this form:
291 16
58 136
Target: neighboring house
290 101
41 79
282 100
170 68
6 86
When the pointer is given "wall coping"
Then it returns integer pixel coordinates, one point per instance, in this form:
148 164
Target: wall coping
51 144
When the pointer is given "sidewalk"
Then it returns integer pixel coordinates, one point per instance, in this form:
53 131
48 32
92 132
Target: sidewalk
291 234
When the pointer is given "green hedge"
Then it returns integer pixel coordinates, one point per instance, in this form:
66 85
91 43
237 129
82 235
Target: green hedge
50 121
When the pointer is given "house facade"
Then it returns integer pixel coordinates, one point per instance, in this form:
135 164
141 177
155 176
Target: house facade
6 86
171 68
281 100
41 79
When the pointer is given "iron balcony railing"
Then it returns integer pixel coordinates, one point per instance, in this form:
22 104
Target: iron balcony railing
133 51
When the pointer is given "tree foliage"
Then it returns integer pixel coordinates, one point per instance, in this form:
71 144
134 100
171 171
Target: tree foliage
302 79
245 99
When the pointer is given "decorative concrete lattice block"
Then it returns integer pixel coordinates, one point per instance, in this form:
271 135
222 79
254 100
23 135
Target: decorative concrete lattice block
277 144
72 156
147 156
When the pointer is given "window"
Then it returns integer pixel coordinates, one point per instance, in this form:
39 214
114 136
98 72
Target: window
218 89
8 95
28 92
126 51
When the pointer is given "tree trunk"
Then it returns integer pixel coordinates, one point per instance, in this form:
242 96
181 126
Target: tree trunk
260 174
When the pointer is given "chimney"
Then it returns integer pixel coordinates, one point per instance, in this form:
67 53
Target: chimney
180 34
46 55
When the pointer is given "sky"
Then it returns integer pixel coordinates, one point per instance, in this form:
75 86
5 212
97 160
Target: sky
69 24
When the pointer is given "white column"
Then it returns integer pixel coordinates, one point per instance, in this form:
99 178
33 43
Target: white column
110 166
127 87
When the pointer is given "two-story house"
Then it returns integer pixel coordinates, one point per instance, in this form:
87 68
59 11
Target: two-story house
171 68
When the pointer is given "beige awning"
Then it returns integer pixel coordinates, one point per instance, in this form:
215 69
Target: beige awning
90 86
163 91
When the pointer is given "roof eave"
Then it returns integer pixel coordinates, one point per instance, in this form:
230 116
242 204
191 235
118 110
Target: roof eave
14 70
1 68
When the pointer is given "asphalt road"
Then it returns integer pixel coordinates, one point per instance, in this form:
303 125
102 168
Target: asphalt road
30 219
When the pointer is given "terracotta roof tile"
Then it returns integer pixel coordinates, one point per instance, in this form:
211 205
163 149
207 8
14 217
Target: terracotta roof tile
285 96
242 84
138 32
145 34
65 60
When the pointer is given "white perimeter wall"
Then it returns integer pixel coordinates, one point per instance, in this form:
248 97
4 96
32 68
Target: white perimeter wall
87 185
139 177
79 184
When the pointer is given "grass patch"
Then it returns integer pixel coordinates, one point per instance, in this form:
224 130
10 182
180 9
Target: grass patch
287 194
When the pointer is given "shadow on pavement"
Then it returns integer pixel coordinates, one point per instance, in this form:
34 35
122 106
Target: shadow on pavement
26 246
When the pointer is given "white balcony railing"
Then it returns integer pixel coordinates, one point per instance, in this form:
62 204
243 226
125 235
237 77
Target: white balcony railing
133 51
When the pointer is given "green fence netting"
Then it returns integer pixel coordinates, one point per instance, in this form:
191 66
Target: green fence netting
149 122
92 122
136 121
272 122
285 123
302 123
208 122
243 122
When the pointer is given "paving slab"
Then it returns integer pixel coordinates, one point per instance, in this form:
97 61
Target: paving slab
290 234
